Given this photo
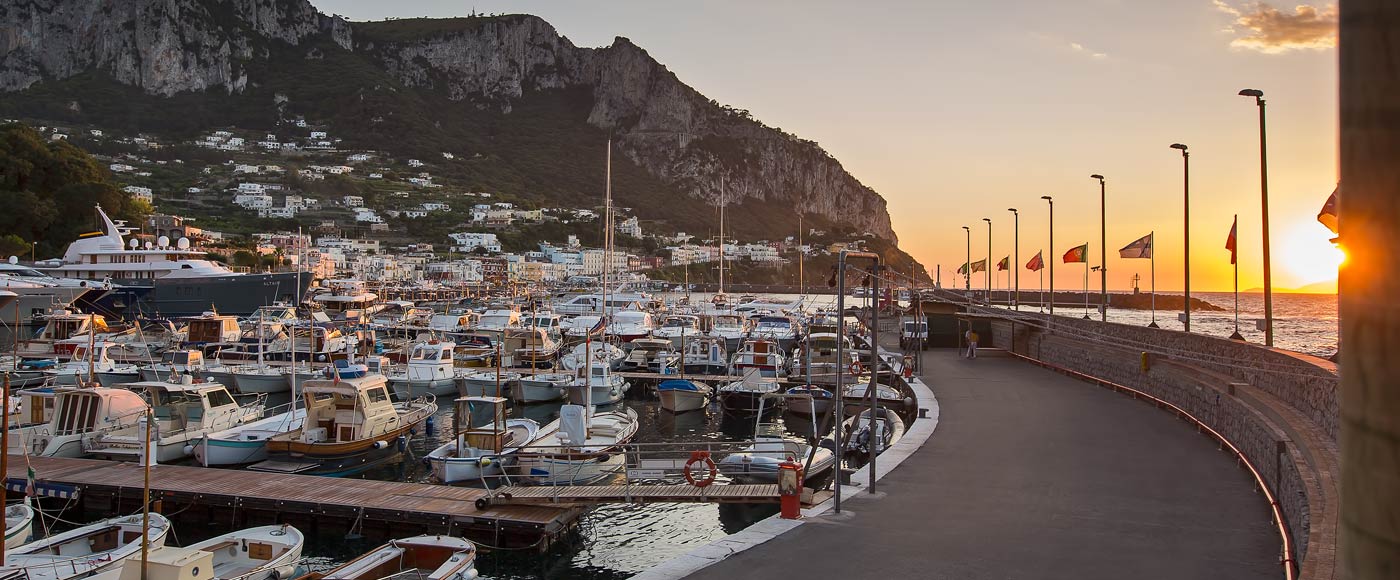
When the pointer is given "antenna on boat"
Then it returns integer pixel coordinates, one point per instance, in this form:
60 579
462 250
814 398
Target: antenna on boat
146 497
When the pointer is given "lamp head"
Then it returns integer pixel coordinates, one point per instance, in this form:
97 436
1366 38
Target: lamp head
1012 210
1046 198
1256 93
1179 146
967 228
1096 176
988 220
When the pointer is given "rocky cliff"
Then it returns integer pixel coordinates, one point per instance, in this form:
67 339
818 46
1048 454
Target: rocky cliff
167 48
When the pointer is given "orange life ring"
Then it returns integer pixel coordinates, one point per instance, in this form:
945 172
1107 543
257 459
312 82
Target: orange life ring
698 457
856 368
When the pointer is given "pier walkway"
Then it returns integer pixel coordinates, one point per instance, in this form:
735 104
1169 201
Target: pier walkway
1035 475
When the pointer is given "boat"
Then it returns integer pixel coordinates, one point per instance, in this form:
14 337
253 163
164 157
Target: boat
348 301
80 414
429 371
418 557
90 362
498 320
758 463
246 443
599 384
541 388
29 408
816 357
26 293
731 328
780 329
858 437
179 363
746 394
212 330
539 350
54 340
481 448
261 553
184 412
581 447
593 304
351 426
260 378
681 395
489 382
600 350
88 550
820 401
678 327
704 355
630 325
646 354
19 525
27 372
854 399
761 354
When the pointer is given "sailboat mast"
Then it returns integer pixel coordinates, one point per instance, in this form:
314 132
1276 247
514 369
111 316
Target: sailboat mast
721 234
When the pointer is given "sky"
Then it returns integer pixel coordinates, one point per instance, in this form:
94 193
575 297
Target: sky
956 111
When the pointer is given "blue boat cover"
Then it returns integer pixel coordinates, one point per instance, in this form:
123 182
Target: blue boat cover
676 385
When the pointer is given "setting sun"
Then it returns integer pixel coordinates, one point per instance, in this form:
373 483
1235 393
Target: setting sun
1307 255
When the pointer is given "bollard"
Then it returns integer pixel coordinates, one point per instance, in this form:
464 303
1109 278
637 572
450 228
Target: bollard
1145 366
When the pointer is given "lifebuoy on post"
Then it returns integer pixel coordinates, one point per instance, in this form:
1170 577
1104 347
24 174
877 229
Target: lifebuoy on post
856 368
701 457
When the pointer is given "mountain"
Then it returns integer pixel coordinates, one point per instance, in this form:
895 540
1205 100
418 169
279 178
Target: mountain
524 110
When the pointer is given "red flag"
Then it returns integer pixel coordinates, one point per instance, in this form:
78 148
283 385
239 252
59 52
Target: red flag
1078 253
1230 241
1328 215
1036 264
1004 263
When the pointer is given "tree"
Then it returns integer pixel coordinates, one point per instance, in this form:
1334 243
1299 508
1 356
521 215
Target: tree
245 258
13 245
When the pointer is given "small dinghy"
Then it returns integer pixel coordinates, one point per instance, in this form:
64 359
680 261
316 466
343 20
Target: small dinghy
427 557
858 436
19 525
681 395
262 553
89 549
758 463
820 401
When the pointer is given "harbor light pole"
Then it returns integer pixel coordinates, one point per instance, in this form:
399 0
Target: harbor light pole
1103 248
1051 201
1016 251
989 260
1186 204
967 266
1264 204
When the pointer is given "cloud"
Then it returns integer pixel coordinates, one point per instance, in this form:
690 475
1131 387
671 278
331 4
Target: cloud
1261 27
1079 48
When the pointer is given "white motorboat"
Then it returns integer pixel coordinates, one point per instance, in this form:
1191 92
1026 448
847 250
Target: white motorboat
746 394
80 414
429 371
498 320
478 450
762 354
89 549
541 388
783 330
261 378
646 354
60 326
579 448
88 363
246 443
426 557
261 553
731 328
858 435
19 525
600 350
820 401
488 382
184 412
630 325
758 463
604 386
678 326
180 363
854 399
704 355
681 395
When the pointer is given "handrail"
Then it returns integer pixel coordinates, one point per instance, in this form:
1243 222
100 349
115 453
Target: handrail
1279 522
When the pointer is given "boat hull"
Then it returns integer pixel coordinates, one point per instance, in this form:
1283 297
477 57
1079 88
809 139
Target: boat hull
562 470
526 391
262 383
678 401
409 389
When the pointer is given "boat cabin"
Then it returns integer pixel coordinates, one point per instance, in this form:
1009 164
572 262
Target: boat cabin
480 423
499 319
453 322
189 405
80 410
347 410
429 361
213 328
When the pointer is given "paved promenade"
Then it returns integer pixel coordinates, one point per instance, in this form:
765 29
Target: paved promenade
1034 475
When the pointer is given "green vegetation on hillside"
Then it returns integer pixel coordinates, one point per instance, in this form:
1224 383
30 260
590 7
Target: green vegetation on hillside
48 190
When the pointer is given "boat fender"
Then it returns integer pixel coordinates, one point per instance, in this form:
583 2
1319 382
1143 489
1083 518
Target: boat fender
381 445
402 442
431 425
482 503
701 457
484 462
188 449
427 463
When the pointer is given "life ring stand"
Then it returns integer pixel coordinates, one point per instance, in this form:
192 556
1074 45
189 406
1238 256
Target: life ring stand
856 368
701 457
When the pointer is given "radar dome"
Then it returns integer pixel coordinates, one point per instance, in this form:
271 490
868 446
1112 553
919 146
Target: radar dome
163 242
14 259
183 243
149 245
134 243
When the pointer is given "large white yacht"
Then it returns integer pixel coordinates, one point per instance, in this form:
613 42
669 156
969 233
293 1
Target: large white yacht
165 276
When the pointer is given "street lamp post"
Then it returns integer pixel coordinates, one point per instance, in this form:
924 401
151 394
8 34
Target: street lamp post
967 272
1264 203
1103 249
1051 201
989 260
1016 253
1186 204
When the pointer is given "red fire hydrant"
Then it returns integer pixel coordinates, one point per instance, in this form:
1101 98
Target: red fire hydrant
790 489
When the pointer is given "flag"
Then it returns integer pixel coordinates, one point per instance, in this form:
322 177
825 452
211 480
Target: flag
1142 248
1328 215
1004 264
1036 264
1078 253
29 478
963 269
979 266
1230 241
598 328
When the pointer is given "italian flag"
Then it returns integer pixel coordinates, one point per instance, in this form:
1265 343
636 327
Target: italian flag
1077 254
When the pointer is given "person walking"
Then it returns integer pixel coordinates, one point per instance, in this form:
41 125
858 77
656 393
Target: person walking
971 337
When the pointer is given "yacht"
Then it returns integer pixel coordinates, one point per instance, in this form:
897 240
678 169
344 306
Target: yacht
429 371
600 350
678 327
498 320
780 329
35 293
731 328
817 355
630 325
348 301
184 412
89 364
645 354
54 340
592 304
168 280
79 415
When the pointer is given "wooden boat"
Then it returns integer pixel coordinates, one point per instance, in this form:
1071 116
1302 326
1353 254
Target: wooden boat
681 395
482 448
89 549
19 525
261 553
426 557
351 426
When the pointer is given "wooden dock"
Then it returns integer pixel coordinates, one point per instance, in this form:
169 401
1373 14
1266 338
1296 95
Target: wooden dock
548 495
238 495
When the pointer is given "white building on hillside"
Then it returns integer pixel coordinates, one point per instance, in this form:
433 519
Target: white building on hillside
467 241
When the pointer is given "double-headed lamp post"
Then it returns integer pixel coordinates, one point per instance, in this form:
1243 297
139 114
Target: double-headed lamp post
1103 249
989 260
967 272
1186 205
1051 201
1264 204
1016 257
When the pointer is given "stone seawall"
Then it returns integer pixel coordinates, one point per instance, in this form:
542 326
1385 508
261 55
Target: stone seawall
1278 408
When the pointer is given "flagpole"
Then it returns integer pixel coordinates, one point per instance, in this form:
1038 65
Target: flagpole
1086 285
1234 257
1153 246
1042 289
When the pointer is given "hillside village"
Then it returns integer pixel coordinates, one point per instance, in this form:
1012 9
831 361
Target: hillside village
295 197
